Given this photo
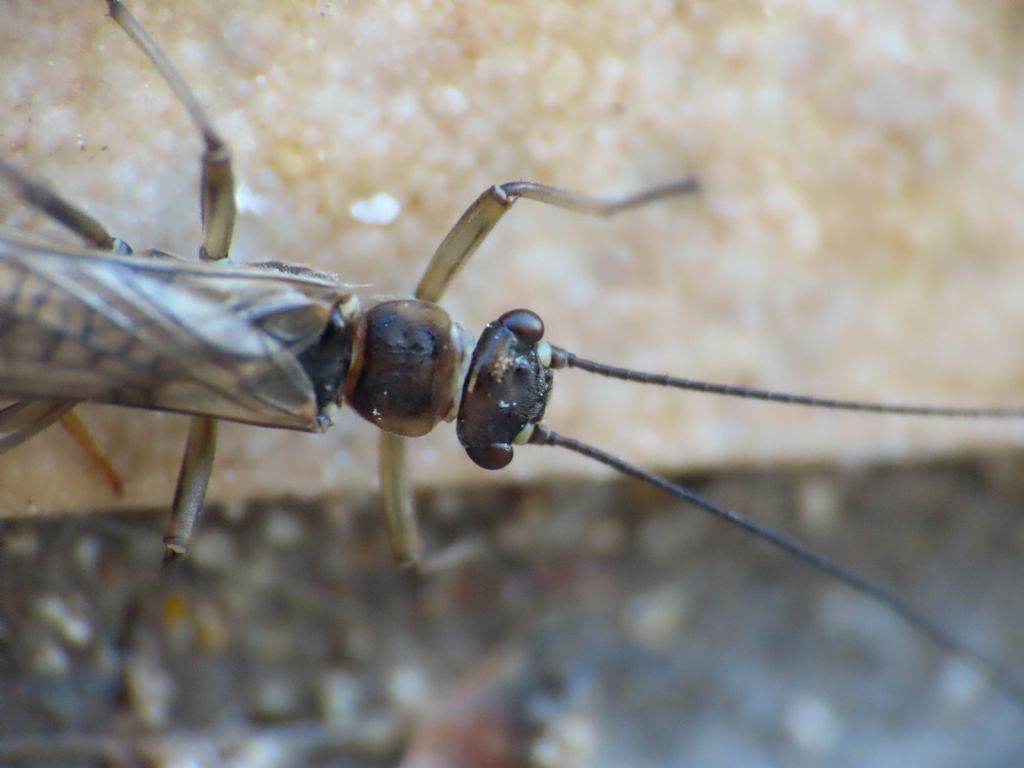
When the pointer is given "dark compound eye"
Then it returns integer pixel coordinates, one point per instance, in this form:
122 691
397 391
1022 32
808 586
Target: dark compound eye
523 323
495 456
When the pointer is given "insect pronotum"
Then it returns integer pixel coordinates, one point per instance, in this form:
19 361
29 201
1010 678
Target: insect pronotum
312 353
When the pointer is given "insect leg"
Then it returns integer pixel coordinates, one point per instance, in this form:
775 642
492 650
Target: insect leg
26 418
21 421
40 196
486 211
217 211
190 489
399 511
217 201
75 427
450 257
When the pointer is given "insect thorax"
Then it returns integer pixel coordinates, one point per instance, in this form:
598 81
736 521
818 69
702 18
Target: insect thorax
408 364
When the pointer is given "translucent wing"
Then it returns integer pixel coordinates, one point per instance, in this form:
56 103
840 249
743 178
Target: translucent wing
161 333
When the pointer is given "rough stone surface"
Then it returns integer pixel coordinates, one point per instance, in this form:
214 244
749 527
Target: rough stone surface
583 625
858 234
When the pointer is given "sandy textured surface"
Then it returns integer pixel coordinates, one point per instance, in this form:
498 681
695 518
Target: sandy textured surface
858 234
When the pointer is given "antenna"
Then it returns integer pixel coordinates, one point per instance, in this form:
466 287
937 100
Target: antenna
561 358
538 433
1000 677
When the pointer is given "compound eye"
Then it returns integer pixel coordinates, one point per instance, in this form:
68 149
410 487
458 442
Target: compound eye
494 456
523 323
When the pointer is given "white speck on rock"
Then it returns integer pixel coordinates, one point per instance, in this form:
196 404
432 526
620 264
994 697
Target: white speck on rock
812 724
249 202
380 209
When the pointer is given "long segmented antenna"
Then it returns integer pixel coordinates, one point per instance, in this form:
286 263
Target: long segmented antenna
561 358
1001 677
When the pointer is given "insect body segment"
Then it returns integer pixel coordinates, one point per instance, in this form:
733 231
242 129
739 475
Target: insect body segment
410 361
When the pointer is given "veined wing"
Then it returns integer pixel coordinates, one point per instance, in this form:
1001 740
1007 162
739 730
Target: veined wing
160 333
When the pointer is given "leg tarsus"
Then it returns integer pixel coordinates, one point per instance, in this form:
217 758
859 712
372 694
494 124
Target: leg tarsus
597 206
486 211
